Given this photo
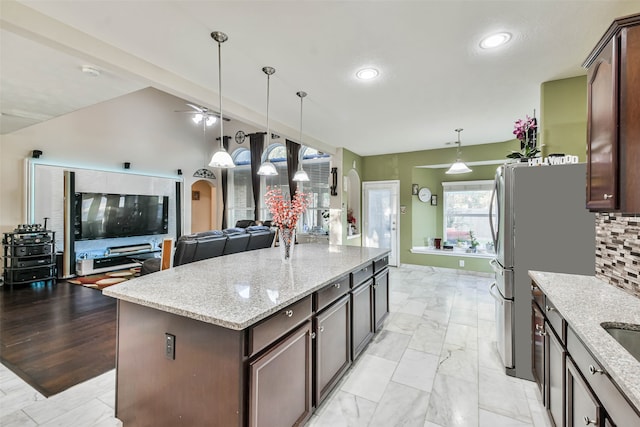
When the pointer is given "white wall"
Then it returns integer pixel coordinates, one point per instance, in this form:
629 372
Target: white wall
142 128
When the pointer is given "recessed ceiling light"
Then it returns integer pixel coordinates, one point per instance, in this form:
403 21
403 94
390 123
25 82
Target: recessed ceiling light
90 71
495 40
367 74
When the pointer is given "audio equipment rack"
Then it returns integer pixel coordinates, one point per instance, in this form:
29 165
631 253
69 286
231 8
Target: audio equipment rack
29 255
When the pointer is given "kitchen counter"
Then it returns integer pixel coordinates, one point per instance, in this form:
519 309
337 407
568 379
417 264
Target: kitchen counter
585 302
235 291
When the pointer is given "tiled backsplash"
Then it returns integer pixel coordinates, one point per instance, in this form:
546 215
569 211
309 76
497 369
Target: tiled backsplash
618 250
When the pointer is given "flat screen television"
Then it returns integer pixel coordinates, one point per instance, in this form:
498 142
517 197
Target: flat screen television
104 216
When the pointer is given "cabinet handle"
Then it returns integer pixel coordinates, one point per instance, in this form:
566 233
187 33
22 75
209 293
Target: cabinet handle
288 313
550 308
608 196
321 328
313 335
593 370
336 285
588 421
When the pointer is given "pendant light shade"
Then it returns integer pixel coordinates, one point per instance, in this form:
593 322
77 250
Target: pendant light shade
301 175
220 159
458 166
267 168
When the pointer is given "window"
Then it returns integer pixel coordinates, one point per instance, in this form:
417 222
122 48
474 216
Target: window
466 211
317 166
240 195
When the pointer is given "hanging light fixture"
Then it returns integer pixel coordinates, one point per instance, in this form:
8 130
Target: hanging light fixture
458 166
203 172
300 174
220 159
267 168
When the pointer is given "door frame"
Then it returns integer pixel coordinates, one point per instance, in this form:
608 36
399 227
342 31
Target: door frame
395 250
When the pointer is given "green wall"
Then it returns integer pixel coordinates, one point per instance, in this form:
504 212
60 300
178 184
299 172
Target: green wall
563 118
563 129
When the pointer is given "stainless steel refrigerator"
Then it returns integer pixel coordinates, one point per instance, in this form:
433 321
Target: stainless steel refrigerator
539 222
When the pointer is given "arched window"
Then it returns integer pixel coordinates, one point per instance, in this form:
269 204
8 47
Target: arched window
240 193
277 154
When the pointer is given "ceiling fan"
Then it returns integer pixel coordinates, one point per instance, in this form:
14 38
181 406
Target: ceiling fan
203 113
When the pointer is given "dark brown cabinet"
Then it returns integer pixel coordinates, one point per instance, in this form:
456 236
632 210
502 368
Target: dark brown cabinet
361 321
280 382
380 298
555 367
332 346
582 406
538 350
613 124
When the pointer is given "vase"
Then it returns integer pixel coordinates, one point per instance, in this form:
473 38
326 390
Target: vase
287 239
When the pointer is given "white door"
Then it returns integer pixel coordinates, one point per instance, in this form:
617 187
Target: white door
381 229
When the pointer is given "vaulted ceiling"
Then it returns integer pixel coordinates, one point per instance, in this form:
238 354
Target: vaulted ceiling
433 78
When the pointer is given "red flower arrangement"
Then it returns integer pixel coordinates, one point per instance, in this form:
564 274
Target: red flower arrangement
285 212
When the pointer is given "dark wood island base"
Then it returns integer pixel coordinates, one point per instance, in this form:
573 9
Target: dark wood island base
174 370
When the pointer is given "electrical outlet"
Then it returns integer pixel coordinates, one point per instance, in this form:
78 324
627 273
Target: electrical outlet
461 263
170 346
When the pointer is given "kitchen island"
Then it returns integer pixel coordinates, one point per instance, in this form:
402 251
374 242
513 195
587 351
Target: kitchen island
245 339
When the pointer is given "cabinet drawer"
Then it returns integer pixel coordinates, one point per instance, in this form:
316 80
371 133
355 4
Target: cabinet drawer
380 264
360 275
555 320
269 330
614 402
331 293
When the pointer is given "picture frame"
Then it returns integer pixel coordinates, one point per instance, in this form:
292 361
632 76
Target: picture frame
195 195
434 200
414 189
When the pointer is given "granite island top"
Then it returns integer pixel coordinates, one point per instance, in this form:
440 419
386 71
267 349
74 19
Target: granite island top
585 302
235 291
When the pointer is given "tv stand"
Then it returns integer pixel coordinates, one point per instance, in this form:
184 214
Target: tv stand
116 258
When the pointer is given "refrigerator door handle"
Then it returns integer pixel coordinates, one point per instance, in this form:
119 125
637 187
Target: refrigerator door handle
494 292
494 234
496 267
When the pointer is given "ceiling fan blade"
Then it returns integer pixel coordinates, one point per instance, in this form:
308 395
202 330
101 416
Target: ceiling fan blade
195 107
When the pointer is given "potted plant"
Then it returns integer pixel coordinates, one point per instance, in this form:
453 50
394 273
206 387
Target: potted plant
527 132
474 242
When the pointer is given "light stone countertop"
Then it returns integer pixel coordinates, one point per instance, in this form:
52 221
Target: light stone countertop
585 302
235 291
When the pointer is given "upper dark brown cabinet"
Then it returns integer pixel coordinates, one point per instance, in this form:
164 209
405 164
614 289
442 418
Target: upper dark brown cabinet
613 122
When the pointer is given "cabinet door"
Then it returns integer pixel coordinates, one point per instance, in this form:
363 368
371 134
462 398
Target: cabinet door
538 349
280 382
555 380
361 322
380 298
582 406
333 346
602 126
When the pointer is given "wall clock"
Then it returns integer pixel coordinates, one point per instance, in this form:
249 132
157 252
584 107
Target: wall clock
240 136
424 195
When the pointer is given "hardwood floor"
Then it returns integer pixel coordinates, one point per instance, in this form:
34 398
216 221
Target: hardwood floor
56 335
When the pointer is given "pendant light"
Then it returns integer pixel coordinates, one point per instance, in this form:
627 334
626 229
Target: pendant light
267 168
458 166
220 159
300 174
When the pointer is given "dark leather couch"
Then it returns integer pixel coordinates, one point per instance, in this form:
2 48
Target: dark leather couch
213 243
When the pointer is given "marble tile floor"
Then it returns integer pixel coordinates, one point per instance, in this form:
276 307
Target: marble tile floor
434 364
